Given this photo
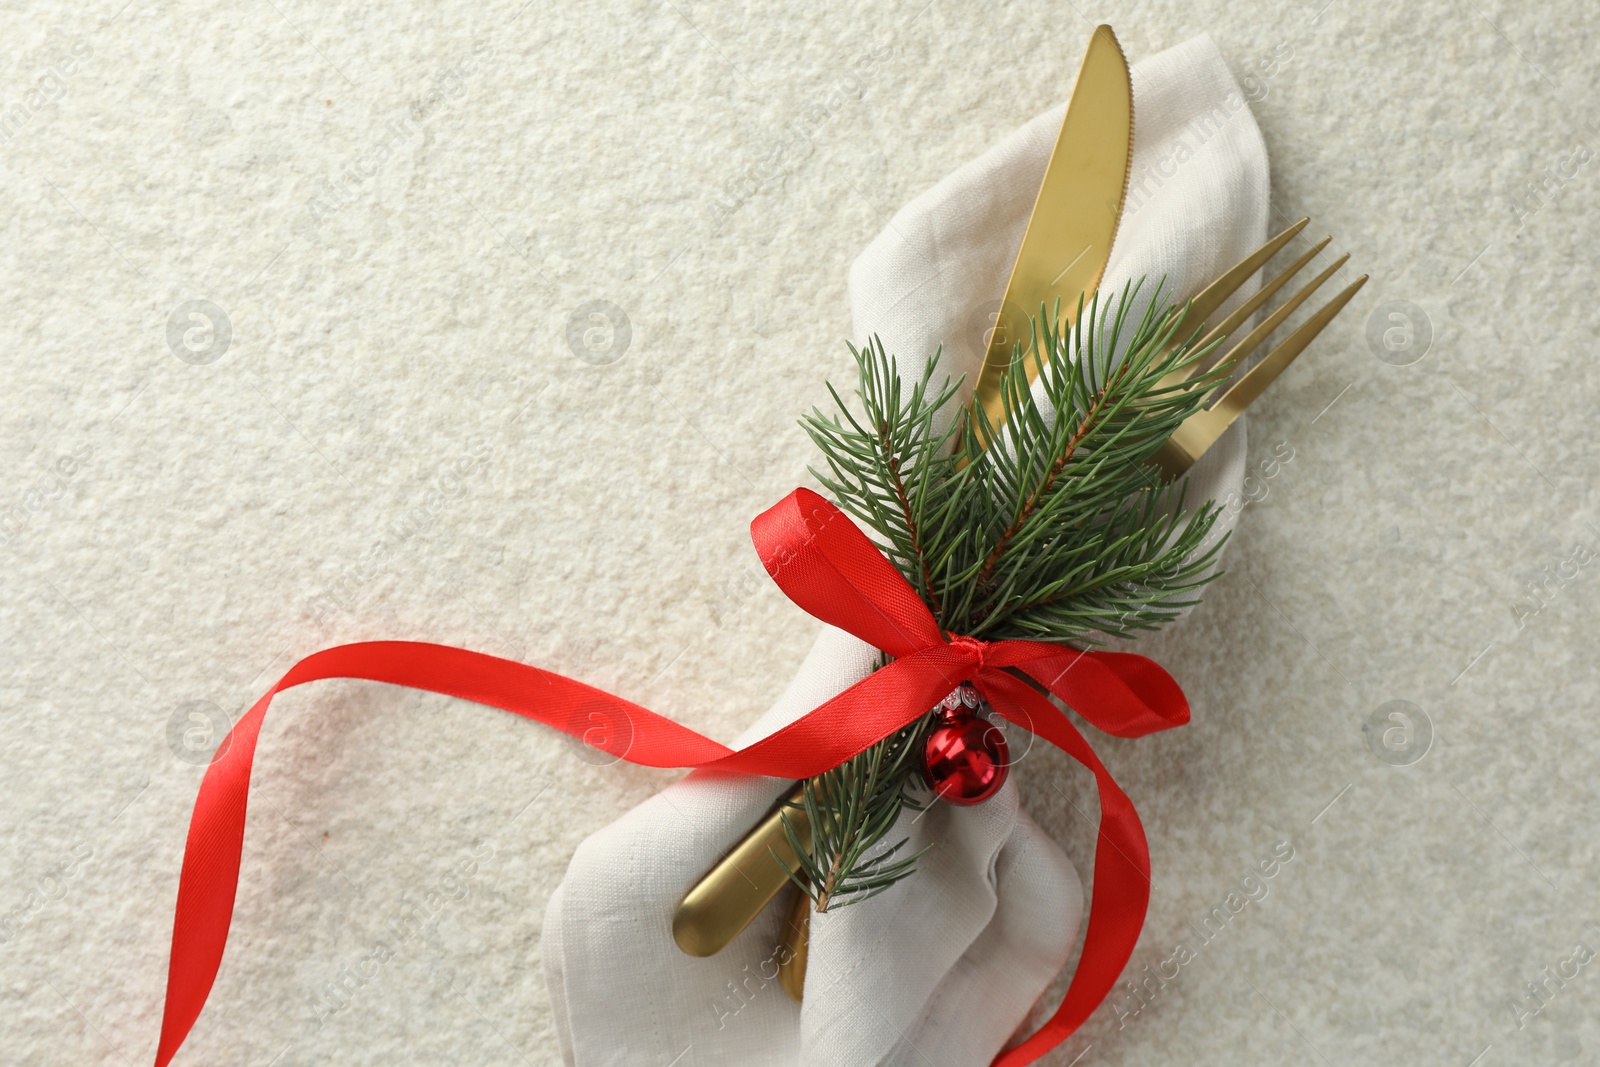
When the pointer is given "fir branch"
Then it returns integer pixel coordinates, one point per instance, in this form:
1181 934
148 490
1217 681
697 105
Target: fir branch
851 808
879 467
1058 530
1031 505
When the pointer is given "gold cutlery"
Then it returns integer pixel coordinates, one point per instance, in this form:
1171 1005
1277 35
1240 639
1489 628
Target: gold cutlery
1201 430
734 891
1069 234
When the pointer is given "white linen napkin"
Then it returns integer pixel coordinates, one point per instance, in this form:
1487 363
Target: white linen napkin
943 968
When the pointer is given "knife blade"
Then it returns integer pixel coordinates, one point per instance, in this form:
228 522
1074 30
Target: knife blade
1075 215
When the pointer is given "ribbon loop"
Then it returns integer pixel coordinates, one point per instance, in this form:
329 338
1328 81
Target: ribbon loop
827 566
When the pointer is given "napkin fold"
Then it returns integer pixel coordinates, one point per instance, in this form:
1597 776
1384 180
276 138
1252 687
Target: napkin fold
942 968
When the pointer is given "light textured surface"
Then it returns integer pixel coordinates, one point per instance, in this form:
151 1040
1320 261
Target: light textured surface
399 375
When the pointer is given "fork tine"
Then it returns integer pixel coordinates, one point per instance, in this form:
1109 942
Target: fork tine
1206 302
1252 340
1263 374
1202 429
1226 327
1211 297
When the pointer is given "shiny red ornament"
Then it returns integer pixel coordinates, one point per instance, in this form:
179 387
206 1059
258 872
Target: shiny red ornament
965 758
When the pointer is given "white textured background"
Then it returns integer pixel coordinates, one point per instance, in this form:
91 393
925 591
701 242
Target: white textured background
175 532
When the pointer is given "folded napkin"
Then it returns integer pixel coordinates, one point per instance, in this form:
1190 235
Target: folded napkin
944 967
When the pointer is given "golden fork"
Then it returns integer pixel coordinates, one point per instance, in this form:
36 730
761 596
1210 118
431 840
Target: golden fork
1201 430
735 891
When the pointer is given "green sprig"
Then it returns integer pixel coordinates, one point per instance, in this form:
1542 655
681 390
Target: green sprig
1059 530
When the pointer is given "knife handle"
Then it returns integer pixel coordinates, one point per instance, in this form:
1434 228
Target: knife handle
734 891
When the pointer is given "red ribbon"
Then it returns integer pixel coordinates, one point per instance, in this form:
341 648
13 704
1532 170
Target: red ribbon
828 567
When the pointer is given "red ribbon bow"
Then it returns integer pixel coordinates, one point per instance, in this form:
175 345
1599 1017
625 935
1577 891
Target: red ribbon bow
828 567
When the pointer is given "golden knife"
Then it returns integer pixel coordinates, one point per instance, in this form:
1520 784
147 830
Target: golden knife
1074 222
1063 253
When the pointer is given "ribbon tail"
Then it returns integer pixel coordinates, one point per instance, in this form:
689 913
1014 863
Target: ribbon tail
1122 693
210 875
1121 879
210 880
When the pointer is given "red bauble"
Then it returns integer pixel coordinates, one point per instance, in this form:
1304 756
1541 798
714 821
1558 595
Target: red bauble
965 758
